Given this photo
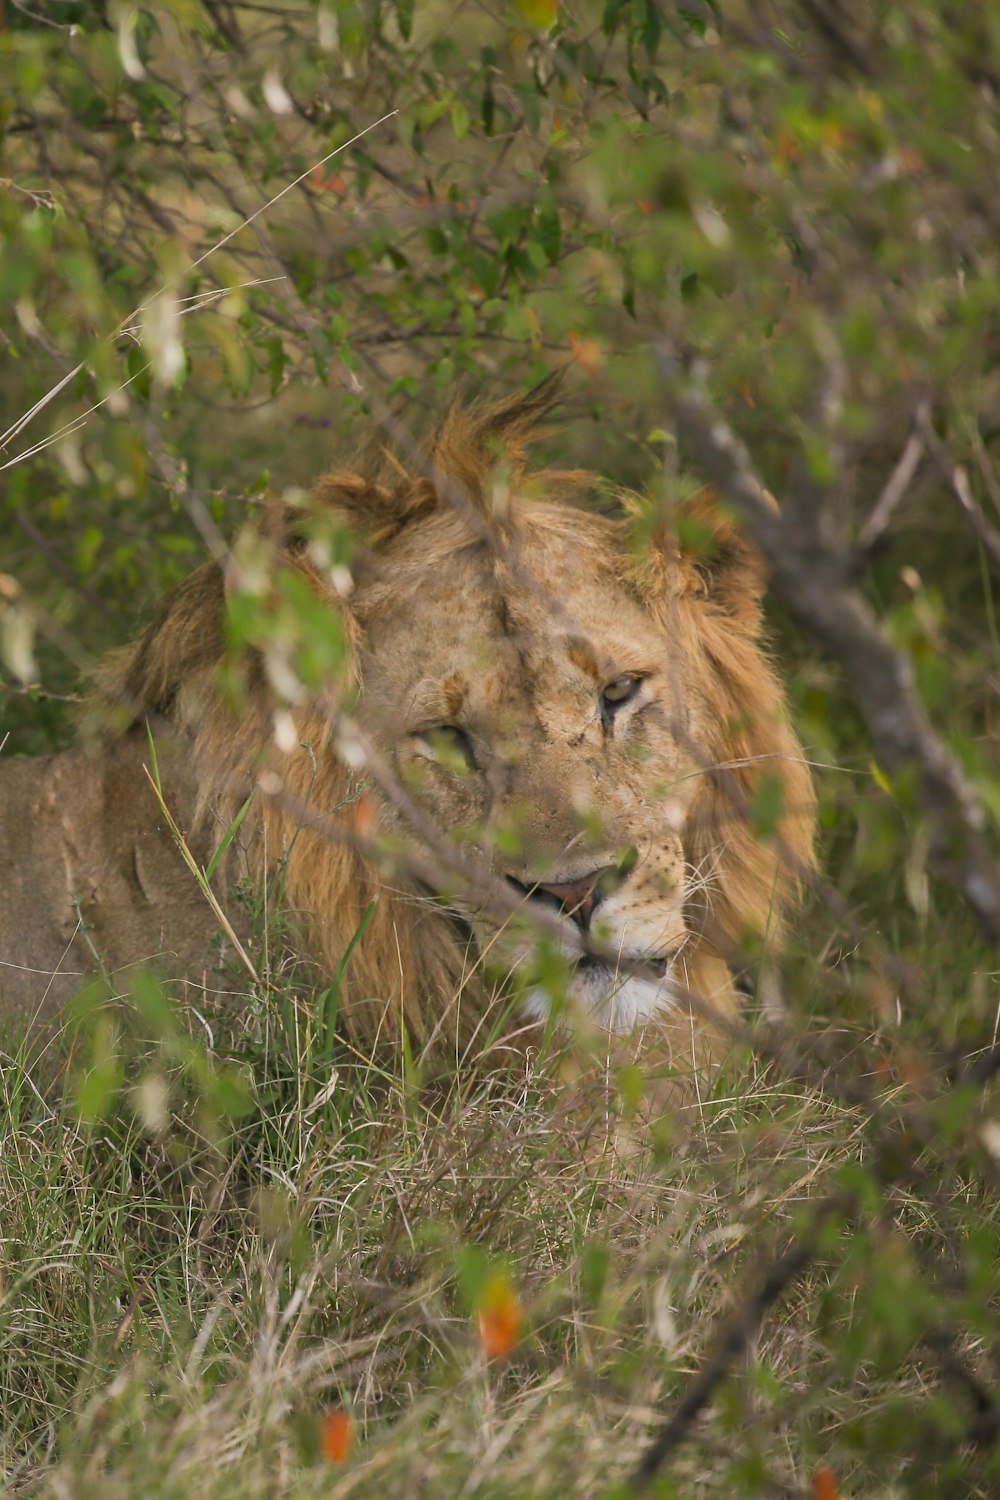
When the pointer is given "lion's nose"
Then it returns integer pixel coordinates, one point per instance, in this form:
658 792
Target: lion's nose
578 898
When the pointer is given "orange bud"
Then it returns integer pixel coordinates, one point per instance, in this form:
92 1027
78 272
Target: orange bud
365 816
332 182
587 352
824 1484
337 1435
500 1318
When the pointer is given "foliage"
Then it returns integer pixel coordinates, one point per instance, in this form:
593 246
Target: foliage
793 204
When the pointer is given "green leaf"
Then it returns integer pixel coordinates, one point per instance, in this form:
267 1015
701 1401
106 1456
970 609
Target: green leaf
767 805
97 1086
152 1002
541 14
404 17
473 1268
276 361
549 226
880 778
459 120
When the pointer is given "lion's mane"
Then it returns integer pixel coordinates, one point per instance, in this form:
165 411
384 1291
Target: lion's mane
415 965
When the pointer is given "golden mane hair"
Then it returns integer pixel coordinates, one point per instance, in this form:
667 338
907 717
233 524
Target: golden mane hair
415 965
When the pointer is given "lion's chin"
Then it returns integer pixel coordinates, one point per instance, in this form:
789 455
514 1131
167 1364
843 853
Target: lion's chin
616 1002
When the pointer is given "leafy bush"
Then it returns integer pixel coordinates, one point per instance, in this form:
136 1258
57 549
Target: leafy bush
231 234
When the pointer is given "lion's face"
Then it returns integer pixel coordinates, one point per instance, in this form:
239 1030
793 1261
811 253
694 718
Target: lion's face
539 713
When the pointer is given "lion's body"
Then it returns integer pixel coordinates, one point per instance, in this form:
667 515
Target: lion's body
483 653
90 871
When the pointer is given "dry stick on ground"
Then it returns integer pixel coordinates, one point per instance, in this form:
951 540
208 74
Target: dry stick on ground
812 578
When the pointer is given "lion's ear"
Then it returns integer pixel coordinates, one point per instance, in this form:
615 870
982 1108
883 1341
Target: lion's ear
716 560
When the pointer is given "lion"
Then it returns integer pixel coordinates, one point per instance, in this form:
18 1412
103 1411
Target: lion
542 759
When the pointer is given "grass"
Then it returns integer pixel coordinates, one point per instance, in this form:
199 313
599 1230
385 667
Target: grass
206 1256
236 1259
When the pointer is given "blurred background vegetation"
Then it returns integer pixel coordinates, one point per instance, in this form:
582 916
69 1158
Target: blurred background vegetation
798 197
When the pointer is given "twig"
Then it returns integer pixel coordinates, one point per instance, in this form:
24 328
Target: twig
55 562
829 20
199 874
896 486
984 1421
31 690
957 481
986 468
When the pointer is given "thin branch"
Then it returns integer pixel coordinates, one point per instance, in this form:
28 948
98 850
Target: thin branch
55 562
984 1419
896 487
35 693
957 481
986 468
830 20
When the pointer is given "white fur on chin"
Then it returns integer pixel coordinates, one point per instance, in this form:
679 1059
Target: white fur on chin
619 1003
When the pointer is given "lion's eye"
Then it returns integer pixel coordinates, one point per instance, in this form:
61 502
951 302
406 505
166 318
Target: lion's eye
448 745
619 691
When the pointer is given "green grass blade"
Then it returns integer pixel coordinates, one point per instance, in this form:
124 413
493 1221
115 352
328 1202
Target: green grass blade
227 838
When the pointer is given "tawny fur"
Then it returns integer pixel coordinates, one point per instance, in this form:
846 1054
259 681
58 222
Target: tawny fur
417 967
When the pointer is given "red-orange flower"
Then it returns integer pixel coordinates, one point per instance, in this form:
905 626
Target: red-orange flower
499 1318
337 1435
